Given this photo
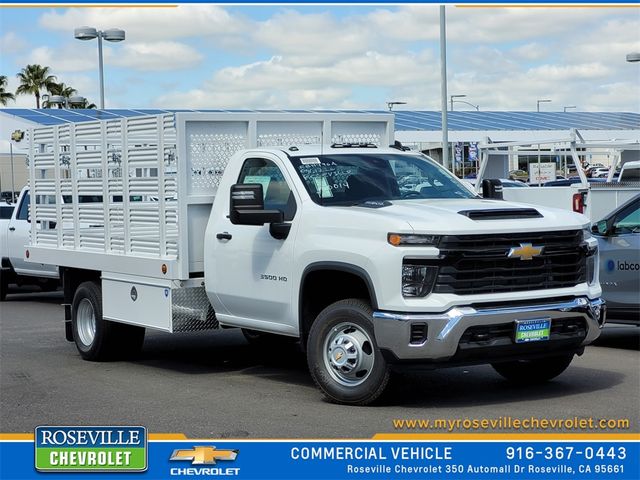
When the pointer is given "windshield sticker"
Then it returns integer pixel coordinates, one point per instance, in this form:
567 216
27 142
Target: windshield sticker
322 187
310 161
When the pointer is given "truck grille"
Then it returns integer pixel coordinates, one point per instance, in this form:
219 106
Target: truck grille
475 264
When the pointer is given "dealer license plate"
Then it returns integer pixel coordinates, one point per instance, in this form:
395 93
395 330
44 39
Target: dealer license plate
533 330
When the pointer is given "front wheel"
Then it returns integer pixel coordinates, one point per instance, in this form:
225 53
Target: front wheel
344 359
533 371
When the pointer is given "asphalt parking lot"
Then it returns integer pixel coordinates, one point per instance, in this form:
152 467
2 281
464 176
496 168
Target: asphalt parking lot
216 385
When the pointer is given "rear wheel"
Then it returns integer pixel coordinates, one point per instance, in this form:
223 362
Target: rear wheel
97 339
533 371
344 360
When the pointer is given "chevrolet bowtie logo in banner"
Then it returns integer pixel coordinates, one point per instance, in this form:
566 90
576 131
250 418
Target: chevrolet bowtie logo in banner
525 251
204 455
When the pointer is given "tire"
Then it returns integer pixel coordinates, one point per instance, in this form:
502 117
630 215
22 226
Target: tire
97 339
343 357
533 371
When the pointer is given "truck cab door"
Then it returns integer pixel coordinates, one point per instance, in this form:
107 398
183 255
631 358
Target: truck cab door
252 267
620 262
18 237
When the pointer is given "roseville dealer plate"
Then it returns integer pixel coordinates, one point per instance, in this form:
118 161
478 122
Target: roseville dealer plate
533 330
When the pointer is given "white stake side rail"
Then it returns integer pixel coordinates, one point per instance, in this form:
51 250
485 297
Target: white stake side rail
133 195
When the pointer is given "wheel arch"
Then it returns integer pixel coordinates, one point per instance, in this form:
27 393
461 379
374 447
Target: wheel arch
357 278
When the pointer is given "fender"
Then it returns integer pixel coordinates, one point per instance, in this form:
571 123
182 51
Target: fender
341 267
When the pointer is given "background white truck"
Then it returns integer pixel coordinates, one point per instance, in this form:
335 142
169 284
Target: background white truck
305 225
595 200
14 268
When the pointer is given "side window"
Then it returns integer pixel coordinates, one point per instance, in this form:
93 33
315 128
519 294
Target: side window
23 213
276 191
629 221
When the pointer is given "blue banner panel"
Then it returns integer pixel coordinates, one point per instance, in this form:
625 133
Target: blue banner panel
375 459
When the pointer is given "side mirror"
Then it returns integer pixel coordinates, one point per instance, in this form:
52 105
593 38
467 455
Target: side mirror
492 188
601 228
247 206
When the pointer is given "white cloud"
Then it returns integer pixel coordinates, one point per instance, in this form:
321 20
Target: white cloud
501 58
66 58
313 39
149 23
155 56
10 43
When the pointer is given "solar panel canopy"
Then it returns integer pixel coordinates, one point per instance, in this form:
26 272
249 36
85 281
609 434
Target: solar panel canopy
405 120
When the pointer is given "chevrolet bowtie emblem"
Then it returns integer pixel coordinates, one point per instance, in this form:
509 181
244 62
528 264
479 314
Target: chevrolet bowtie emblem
204 455
525 251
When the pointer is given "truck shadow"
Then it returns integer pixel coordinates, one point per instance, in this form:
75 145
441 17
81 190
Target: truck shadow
481 385
224 351
626 337
228 352
34 294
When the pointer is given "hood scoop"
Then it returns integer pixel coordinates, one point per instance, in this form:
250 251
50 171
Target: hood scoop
501 214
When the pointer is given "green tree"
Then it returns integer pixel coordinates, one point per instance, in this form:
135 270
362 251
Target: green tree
4 95
85 104
59 89
33 79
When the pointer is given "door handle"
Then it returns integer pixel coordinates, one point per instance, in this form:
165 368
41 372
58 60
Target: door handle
223 236
12 229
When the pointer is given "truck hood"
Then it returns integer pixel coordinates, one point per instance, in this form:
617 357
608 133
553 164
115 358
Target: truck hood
442 216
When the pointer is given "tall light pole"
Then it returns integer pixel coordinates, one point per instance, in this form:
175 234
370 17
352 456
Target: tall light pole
451 97
110 35
391 104
443 88
564 109
541 101
477 107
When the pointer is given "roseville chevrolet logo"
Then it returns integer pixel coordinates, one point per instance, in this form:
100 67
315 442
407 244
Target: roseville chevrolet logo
204 455
525 251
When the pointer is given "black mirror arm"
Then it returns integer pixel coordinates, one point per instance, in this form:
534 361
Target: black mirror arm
279 230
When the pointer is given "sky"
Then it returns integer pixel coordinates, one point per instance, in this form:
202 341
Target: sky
335 57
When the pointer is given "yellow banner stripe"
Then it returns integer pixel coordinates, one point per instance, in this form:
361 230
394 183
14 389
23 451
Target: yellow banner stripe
35 5
16 436
601 5
167 436
506 436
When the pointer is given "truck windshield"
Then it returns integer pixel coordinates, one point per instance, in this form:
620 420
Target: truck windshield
351 179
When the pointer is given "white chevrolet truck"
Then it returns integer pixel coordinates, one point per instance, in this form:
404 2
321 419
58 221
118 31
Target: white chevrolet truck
14 269
305 225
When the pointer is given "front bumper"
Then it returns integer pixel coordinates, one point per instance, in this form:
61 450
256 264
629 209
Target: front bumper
450 335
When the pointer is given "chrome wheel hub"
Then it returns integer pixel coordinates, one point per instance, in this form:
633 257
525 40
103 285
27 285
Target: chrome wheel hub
86 322
348 354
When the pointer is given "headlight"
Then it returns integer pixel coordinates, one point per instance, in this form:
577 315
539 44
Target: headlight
410 239
417 279
591 252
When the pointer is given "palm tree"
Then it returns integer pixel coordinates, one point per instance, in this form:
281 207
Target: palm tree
34 78
4 95
84 104
59 89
